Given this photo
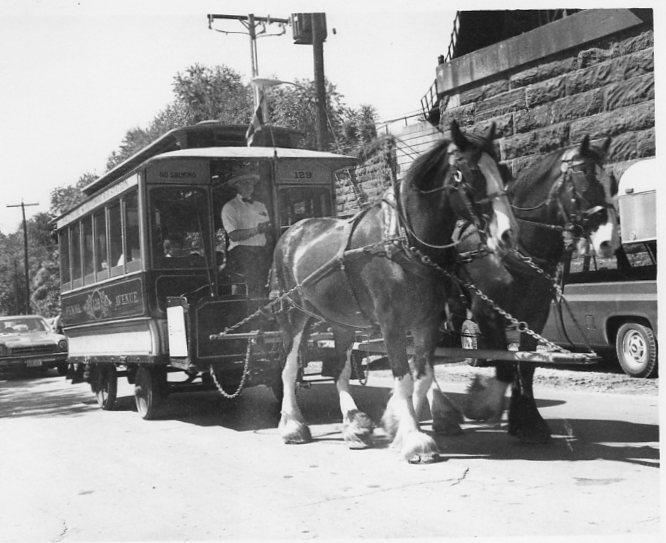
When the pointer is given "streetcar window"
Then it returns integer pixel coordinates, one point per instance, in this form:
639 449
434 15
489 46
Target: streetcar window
101 257
65 275
296 203
116 239
179 227
76 253
132 241
86 224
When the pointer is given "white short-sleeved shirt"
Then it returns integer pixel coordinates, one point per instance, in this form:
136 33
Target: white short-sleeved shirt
240 215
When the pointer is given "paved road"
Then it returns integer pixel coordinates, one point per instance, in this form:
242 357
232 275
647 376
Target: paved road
211 471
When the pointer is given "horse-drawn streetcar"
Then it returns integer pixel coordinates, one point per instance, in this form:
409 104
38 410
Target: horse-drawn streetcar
146 287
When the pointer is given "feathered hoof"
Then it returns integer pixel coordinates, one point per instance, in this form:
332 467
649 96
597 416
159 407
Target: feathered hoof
357 430
294 432
485 399
419 448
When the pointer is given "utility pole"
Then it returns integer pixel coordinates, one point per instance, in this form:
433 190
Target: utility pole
256 28
23 205
318 37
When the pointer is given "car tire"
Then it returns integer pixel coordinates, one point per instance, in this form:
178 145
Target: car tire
62 369
636 348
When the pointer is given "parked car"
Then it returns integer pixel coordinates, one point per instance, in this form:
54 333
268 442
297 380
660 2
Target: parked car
29 341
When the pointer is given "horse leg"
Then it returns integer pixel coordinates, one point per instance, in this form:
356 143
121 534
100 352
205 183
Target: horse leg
446 416
485 395
399 419
525 421
292 427
357 427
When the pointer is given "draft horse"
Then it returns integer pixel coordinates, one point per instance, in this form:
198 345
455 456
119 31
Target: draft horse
557 201
383 269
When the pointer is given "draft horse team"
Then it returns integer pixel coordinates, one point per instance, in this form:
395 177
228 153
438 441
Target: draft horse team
398 264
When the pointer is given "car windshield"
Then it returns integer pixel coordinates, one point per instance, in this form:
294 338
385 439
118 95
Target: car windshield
22 325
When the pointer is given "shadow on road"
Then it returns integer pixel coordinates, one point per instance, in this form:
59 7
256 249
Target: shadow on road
25 393
256 410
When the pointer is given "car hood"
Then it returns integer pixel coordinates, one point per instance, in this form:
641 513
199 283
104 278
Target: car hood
30 338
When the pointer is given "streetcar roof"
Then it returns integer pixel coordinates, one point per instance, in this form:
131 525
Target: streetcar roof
336 160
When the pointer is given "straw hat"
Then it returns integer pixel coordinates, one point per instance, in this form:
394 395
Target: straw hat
253 177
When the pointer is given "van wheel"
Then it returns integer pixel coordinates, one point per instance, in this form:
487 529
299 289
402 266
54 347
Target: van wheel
149 390
104 384
636 348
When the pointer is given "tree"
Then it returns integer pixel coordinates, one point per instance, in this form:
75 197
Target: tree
295 106
65 197
201 93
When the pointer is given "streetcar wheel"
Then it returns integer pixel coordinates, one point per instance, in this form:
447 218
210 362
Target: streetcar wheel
149 390
636 348
104 384
469 339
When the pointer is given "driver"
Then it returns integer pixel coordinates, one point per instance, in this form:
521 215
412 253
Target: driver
246 222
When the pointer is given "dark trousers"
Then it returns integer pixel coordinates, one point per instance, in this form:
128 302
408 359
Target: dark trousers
250 264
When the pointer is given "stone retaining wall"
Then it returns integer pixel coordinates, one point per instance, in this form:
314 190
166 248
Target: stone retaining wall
601 88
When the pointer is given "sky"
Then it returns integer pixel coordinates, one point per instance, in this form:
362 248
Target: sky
77 75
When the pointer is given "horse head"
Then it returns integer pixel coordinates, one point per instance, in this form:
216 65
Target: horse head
585 197
458 179
485 196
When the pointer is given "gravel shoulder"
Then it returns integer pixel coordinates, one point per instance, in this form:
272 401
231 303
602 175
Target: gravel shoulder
598 378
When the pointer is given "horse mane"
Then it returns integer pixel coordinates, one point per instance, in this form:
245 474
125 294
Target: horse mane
423 172
535 174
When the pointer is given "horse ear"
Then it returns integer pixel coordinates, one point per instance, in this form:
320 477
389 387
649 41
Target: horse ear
584 146
457 136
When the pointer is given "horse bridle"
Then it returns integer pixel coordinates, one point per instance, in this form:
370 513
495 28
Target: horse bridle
574 223
455 183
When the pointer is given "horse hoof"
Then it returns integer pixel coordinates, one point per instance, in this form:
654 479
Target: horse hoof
418 448
357 430
294 432
424 458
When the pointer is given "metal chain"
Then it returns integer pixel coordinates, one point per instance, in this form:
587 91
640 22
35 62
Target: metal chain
241 385
530 262
520 325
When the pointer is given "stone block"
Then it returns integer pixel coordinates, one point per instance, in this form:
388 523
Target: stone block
463 115
612 71
483 92
577 106
617 122
544 92
645 143
632 91
501 104
623 147
539 141
531 119
633 44
542 72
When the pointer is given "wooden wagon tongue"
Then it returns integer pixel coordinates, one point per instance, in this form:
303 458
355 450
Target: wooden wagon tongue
451 354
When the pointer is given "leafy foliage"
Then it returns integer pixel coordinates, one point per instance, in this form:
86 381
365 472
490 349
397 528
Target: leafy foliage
200 93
